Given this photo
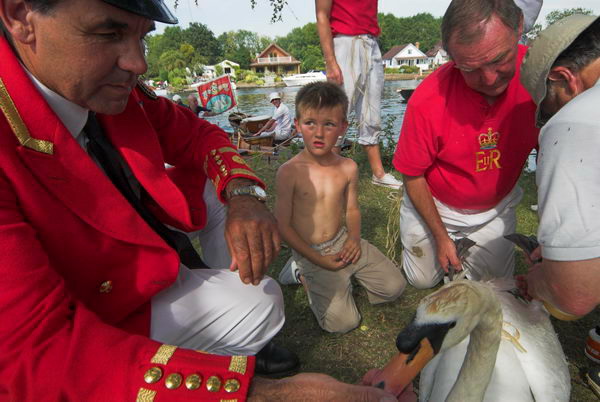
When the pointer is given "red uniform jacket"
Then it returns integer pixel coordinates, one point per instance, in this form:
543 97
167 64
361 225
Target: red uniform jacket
79 267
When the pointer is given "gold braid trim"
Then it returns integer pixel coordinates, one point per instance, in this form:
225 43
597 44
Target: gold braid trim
226 149
238 364
146 90
163 354
243 171
18 126
228 400
145 395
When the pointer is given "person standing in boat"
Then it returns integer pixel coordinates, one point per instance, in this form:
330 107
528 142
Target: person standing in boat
280 125
466 135
348 31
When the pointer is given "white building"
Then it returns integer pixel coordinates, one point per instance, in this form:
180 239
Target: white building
228 67
437 55
406 55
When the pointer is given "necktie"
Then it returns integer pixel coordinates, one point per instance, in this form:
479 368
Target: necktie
110 160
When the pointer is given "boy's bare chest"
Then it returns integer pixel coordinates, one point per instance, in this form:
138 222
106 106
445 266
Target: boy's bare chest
322 186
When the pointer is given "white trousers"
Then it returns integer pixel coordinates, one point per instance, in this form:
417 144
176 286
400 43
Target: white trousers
359 59
211 309
491 256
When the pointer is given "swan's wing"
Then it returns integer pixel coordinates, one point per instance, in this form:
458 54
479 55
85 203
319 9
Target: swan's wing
438 377
544 362
508 382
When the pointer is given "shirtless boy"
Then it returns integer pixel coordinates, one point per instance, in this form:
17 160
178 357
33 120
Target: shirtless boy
316 190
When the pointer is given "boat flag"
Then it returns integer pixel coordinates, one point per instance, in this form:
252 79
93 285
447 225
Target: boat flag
217 95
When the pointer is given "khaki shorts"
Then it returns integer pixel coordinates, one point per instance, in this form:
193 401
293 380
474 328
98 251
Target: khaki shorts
330 292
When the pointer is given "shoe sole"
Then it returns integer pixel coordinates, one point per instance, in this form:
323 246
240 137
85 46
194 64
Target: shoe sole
386 185
595 387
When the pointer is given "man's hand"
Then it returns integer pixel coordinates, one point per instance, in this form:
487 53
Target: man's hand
332 262
334 73
314 387
446 254
350 252
535 256
252 237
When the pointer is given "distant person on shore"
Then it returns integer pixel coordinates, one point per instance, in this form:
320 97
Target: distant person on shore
280 125
179 102
348 31
466 135
316 192
194 105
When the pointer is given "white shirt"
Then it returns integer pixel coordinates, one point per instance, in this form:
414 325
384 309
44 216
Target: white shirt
283 118
568 180
70 114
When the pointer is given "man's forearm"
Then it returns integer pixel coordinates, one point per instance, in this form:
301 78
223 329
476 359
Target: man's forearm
420 195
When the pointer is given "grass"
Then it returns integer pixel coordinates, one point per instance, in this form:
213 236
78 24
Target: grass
347 357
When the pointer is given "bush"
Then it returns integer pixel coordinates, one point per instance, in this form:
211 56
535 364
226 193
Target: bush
409 69
390 70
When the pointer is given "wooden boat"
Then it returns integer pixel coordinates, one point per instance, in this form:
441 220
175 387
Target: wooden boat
406 93
303 79
252 125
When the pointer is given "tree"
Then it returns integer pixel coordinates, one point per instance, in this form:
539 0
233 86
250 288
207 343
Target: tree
204 41
242 46
303 43
556 15
423 28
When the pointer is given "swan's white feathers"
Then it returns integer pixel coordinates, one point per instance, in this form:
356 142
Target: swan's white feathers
540 374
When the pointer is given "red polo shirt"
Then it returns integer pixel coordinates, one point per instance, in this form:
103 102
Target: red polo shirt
354 17
471 153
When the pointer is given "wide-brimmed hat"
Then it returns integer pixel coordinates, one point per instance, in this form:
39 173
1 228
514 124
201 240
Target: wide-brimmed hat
273 96
155 10
544 51
176 98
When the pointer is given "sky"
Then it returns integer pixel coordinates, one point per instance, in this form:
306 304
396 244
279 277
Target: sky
231 15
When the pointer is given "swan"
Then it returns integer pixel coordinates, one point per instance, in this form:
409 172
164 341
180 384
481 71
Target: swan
488 346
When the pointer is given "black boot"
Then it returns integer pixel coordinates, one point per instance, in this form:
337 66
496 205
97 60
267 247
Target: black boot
276 361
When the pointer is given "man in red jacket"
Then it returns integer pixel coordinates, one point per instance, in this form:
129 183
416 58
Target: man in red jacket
97 301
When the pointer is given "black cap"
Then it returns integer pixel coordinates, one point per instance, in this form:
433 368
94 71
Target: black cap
152 9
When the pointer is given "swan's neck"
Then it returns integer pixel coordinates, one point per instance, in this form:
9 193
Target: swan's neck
480 360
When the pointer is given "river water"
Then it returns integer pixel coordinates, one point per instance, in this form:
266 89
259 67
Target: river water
255 102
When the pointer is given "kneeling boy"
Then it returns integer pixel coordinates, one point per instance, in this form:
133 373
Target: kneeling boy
315 190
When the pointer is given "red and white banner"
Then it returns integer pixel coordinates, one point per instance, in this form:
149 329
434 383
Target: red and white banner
217 95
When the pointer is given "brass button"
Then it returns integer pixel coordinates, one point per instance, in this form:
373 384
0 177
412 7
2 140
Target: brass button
217 157
106 287
219 162
193 381
213 152
153 375
173 381
213 384
223 168
225 173
231 385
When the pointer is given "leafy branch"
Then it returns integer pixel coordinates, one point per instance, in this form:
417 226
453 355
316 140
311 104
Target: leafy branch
277 6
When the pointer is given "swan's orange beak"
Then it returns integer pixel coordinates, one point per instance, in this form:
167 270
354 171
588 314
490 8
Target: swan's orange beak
403 368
